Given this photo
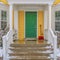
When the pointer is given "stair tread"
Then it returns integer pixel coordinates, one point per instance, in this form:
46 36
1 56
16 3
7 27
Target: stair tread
30 45
31 57
33 49
30 53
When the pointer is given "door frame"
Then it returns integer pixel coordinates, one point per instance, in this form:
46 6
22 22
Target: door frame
24 20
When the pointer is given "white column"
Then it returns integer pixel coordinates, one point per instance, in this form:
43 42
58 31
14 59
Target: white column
49 34
49 23
10 15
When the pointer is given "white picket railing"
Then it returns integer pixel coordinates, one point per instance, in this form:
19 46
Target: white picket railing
52 38
7 40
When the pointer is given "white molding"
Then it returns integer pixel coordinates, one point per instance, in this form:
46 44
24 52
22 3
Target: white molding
24 24
10 16
49 8
31 7
30 1
37 23
16 21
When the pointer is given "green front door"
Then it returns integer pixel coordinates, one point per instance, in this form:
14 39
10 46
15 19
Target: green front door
31 24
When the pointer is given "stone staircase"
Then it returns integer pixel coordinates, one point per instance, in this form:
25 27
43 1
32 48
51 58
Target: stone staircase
40 51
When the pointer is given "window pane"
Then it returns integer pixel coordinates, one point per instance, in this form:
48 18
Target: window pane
3 15
57 20
57 26
3 25
55 14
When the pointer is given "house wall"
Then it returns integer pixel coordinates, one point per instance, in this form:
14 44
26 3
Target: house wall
30 8
20 25
4 8
40 23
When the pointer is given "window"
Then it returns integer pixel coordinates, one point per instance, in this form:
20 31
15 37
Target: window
3 25
57 20
3 19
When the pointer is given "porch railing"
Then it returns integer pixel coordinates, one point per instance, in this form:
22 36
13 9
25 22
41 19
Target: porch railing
7 40
52 38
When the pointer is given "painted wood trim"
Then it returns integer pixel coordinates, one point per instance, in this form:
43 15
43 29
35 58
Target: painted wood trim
13 19
20 25
40 23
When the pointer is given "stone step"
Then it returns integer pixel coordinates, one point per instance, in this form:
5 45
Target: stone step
30 45
30 54
31 49
30 58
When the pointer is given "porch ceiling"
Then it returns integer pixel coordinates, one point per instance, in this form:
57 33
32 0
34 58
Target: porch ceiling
30 1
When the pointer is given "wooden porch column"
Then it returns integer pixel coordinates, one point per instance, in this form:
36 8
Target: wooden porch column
49 9
50 34
10 16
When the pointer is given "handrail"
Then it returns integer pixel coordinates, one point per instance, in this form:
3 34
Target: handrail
52 33
53 40
7 40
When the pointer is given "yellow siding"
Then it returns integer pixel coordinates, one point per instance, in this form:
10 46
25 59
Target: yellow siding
56 2
40 22
21 25
13 19
4 1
